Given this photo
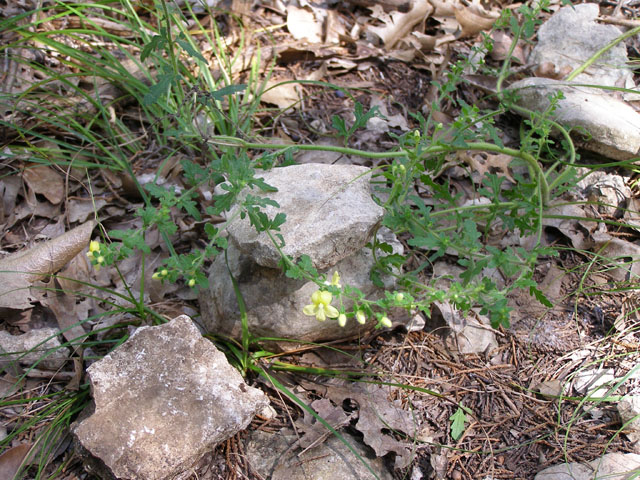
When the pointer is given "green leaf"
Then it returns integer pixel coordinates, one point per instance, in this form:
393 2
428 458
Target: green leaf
156 91
458 421
156 43
190 49
541 297
228 90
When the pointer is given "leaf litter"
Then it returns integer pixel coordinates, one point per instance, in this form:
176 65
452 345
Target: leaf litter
388 49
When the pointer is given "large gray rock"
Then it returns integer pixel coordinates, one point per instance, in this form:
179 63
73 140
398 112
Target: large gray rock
571 36
163 399
629 411
330 214
39 348
612 466
613 125
274 302
271 456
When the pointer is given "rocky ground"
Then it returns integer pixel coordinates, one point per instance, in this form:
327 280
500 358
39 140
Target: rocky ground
560 385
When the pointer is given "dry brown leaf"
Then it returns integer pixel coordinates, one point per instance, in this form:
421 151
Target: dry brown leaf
302 24
283 96
378 418
45 181
443 8
79 209
9 189
399 25
314 431
69 315
471 22
501 46
20 270
426 42
12 459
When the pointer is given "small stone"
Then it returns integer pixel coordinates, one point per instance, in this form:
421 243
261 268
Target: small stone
613 125
43 347
163 399
329 209
629 411
575 29
594 382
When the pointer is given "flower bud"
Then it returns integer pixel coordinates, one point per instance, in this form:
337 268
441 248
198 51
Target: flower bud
386 322
342 319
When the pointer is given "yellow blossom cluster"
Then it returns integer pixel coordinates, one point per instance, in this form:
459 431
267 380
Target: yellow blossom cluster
94 254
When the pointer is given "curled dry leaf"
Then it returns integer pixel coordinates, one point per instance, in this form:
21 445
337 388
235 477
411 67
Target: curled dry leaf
473 22
399 25
443 8
20 270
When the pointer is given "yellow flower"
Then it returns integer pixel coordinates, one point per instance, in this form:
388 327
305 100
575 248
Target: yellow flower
342 319
321 306
361 317
335 280
94 246
385 322
191 282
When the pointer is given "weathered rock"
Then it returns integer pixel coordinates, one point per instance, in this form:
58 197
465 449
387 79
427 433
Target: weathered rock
571 36
594 382
274 302
629 411
613 125
270 456
465 334
612 466
162 400
43 347
330 214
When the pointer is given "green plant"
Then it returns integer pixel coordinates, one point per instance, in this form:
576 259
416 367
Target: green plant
207 123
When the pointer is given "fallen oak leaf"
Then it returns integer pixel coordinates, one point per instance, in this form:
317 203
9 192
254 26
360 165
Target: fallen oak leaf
13 459
20 270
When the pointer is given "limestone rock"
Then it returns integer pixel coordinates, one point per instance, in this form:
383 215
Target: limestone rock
330 214
274 302
571 36
629 411
163 399
612 466
270 456
43 347
613 125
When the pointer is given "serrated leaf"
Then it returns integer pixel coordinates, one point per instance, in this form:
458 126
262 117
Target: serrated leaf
458 421
156 42
159 89
541 297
